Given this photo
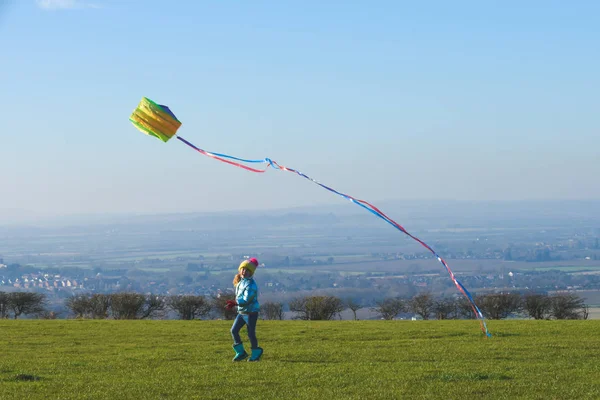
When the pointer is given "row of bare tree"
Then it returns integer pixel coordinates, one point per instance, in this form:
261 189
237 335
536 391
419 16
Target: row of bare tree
139 306
492 306
127 305
427 306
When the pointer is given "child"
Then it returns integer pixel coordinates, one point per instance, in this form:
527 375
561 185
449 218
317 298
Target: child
246 299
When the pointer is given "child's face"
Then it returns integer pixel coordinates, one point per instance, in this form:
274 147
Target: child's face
246 273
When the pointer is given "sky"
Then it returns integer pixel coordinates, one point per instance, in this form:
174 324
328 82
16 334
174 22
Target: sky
385 100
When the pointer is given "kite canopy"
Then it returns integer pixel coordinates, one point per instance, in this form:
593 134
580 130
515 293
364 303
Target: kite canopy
155 120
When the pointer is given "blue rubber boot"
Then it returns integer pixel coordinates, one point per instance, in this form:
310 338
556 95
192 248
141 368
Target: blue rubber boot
256 353
240 353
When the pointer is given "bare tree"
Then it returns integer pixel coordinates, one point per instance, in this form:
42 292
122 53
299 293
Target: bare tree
4 305
126 305
499 305
154 307
537 305
422 304
354 306
189 307
272 311
99 305
317 308
566 306
389 308
136 305
95 306
26 303
79 305
445 308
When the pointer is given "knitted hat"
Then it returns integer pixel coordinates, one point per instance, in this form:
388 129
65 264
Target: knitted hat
250 265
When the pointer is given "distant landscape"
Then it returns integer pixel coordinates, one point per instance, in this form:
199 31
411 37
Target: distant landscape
339 250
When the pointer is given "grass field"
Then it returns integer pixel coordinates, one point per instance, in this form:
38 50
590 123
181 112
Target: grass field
86 359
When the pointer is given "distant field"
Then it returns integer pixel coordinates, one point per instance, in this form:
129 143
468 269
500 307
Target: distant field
432 265
166 255
594 313
592 297
72 359
570 268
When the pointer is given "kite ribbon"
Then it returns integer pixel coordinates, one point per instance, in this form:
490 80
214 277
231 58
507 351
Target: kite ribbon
364 204
221 157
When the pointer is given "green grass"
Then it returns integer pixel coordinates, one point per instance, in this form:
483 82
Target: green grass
73 359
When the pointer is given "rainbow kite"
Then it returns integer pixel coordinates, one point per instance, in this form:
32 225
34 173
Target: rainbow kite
159 121
155 120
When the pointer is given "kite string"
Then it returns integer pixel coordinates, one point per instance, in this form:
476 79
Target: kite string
364 204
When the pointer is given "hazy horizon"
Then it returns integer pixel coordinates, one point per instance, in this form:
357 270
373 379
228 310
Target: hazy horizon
400 210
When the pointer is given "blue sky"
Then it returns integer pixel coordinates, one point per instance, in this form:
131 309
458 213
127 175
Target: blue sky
383 100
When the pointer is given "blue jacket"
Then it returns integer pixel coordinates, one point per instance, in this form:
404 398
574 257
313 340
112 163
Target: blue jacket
246 295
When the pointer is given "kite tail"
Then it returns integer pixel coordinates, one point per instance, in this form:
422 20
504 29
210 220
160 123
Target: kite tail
364 204
221 157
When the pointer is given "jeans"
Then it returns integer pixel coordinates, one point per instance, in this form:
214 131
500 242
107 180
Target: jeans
238 324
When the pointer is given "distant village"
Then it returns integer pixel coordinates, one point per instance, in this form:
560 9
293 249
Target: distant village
200 281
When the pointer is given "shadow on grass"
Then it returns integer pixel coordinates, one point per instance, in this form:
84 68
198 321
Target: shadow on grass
26 378
504 334
469 376
339 361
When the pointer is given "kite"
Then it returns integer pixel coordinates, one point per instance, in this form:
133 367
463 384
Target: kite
155 120
159 121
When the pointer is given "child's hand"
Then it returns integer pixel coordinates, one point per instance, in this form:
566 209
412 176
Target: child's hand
231 304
